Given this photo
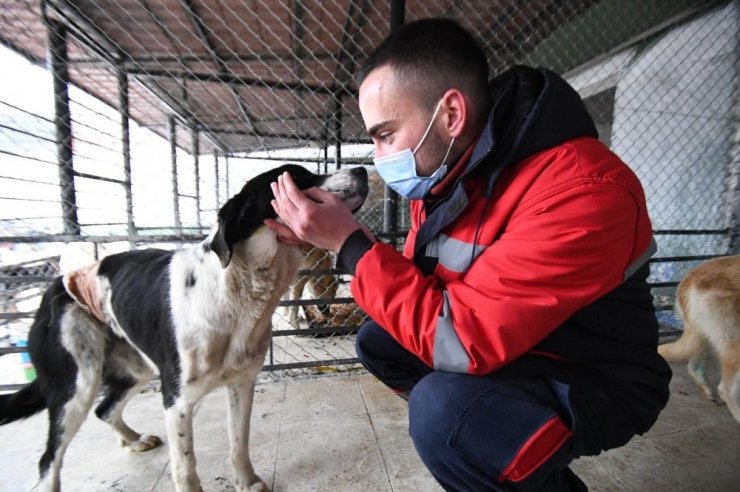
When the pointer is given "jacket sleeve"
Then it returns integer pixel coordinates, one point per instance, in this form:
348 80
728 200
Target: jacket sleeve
556 255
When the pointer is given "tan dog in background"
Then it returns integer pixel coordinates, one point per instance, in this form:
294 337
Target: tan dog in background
321 286
708 300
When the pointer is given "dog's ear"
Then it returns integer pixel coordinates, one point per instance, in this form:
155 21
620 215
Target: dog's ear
236 220
220 245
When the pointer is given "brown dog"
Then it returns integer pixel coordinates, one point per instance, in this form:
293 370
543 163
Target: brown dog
321 286
708 300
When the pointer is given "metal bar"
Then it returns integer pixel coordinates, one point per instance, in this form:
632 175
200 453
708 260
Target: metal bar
123 108
65 238
347 161
228 176
229 130
202 33
317 302
99 178
691 232
302 365
318 330
668 259
215 166
337 117
390 197
173 160
658 285
196 164
63 123
237 80
398 14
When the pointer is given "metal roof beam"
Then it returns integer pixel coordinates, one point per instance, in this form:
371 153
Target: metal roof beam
200 30
231 79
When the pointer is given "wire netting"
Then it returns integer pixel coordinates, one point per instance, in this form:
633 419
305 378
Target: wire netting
127 124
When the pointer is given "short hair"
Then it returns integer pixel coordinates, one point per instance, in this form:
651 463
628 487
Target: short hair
432 56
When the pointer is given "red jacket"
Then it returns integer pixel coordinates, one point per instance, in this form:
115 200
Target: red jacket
544 254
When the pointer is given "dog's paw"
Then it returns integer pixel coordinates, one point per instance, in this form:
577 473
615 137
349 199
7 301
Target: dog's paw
258 486
145 442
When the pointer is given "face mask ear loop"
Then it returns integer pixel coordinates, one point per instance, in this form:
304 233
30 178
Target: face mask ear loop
448 151
431 122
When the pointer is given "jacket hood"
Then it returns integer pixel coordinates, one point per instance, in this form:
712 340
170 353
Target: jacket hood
533 109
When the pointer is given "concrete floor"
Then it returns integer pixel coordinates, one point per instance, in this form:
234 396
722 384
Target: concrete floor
348 433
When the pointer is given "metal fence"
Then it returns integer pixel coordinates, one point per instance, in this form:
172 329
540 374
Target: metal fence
127 124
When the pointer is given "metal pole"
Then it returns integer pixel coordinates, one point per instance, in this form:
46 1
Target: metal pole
337 131
326 157
123 105
390 197
63 124
196 164
226 158
215 166
173 159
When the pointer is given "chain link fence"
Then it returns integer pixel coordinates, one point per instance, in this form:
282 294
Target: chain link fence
126 124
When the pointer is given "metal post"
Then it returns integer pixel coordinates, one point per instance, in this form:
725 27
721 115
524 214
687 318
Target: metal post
126 151
398 14
215 167
173 159
226 163
63 124
196 163
390 197
326 157
337 131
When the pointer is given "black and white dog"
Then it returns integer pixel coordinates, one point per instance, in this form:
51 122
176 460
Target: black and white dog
200 317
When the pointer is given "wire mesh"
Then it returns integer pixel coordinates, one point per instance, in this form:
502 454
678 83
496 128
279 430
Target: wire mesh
128 123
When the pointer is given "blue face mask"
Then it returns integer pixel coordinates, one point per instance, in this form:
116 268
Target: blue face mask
398 170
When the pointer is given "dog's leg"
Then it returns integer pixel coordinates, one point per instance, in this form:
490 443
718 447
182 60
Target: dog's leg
179 422
729 386
694 347
241 396
110 410
296 293
84 342
124 376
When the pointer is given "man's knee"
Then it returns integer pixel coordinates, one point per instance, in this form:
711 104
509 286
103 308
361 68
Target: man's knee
503 435
432 416
366 340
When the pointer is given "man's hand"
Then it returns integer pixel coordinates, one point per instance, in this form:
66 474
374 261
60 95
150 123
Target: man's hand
314 216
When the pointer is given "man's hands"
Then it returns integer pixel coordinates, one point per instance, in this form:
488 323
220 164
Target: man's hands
314 216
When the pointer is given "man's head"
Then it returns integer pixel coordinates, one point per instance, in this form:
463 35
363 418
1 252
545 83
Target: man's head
423 64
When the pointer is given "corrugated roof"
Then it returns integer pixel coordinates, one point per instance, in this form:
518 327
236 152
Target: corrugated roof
253 75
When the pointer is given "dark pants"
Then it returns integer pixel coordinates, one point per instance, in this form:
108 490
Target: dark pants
515 429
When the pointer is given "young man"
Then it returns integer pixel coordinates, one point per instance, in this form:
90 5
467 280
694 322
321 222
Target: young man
518 321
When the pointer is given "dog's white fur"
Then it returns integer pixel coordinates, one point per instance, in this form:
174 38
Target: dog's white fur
708 300
223 331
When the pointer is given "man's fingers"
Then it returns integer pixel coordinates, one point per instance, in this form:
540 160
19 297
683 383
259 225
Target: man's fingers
290 191
285 234
319 195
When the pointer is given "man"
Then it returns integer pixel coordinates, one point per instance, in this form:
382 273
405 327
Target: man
518 321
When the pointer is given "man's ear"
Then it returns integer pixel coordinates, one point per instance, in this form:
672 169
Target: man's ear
455 109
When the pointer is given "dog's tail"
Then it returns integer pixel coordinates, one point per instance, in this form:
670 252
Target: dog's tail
21 404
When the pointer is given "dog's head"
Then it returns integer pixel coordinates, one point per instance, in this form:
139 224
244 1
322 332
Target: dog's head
246 211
